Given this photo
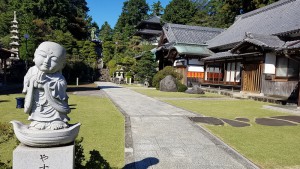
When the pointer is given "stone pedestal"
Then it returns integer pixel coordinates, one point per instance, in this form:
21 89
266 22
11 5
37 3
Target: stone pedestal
62 157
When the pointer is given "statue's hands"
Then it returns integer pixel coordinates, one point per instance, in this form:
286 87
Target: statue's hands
39 85
41 82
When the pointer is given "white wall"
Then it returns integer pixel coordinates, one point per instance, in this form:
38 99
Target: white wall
196 68
270 63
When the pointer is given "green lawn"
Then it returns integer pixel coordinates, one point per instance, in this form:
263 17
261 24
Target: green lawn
268 147
157 94
102 126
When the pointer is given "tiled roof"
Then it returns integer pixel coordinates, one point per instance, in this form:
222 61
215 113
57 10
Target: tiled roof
276 19
292 45
154 19
272 42
148 31
189 34
266 41
224 55
219 55
6 52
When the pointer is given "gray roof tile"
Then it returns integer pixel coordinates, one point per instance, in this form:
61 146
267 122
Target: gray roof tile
275 19
189 34
292 44
219 55
228 54
148 31
266 41
153 19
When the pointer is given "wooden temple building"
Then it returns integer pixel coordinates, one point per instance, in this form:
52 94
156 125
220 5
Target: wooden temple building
5 63
259 53
183 47
149 30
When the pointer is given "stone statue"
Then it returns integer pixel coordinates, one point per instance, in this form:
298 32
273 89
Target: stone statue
45 88
46 99
94 36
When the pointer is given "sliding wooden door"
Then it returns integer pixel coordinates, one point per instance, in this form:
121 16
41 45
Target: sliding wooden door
252 77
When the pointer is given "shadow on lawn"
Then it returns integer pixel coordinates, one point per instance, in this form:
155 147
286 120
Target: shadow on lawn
95 161
109 87
75 89
143 164
72 106
4 101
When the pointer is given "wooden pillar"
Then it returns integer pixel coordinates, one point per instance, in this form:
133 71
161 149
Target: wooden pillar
298 104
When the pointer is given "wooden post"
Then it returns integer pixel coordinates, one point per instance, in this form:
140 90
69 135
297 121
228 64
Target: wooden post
298 104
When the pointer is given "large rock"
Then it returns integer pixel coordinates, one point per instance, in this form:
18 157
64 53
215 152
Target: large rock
168 84
195 90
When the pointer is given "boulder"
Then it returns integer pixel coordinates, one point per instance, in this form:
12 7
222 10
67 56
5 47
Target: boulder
168 84
195 90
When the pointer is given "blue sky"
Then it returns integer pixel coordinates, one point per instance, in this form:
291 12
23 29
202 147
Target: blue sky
110 10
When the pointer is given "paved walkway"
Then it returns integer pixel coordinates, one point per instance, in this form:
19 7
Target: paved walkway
159 135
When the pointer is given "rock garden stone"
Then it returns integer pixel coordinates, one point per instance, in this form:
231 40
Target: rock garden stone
168 84
273 122
235 123
207 120
195 90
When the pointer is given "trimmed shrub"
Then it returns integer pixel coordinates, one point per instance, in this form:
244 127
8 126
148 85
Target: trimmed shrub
181 87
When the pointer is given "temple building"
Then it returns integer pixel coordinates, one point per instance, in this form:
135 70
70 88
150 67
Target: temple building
259 52
183 47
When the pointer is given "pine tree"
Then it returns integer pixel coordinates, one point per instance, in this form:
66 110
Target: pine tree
179 11
106 32
133 11
156 9
146 67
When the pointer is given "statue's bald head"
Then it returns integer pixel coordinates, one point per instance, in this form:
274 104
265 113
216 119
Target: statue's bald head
50 57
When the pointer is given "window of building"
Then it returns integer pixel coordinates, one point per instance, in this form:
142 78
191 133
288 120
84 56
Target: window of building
233 72
286 68
214 73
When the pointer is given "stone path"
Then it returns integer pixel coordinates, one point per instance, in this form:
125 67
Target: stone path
159 135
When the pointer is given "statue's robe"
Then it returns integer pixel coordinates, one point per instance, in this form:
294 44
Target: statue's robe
46 98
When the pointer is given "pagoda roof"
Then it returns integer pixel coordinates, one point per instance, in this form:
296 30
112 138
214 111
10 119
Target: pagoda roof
148 32
14 31
14 44
14 37
152 20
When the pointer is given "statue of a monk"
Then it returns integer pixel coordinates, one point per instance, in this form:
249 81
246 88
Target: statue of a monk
46 99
